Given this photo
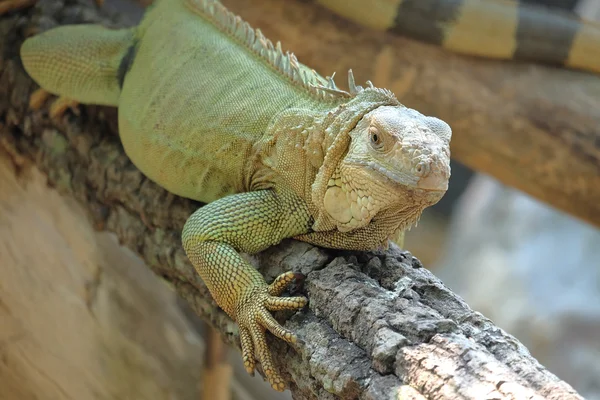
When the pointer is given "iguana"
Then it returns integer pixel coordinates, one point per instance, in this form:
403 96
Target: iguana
498 29
211 110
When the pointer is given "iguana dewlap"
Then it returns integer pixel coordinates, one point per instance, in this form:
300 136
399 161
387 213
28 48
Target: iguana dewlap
211 110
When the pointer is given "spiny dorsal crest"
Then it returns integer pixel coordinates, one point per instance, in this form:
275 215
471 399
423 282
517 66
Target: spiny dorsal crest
286 63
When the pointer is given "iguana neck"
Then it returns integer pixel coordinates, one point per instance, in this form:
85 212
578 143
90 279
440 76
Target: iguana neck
302 148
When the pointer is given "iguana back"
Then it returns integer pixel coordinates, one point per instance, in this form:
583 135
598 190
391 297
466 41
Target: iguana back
194 102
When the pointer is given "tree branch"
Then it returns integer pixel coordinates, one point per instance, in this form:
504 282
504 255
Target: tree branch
377 323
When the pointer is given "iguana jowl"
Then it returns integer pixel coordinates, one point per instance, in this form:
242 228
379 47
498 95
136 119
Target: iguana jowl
211 110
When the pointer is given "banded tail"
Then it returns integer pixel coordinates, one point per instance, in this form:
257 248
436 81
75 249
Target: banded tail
85 63
500 29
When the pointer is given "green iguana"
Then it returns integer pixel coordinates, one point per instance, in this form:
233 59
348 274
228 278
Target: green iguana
211 110
499 29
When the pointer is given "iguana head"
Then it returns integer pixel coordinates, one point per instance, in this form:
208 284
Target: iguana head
397 159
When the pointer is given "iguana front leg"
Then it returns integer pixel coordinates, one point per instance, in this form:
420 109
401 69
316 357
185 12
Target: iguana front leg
247 222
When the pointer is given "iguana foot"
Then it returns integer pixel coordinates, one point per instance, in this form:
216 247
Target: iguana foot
58 106
61 105
7 6
254 318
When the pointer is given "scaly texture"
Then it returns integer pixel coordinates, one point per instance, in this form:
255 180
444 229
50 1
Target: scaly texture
211 110
66 60
248 222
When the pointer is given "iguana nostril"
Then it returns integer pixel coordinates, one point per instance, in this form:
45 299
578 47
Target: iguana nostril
433 174
423 168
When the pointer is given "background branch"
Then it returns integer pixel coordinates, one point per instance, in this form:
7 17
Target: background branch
377 324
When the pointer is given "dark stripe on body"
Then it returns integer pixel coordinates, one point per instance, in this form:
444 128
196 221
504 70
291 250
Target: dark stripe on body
425 19
126 63
545 34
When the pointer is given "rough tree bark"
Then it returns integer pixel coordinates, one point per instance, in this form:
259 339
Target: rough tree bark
378 325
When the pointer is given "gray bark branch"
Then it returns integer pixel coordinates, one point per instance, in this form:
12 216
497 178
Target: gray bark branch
378 324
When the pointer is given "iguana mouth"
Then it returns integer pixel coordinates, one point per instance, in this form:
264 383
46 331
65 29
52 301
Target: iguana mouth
426 184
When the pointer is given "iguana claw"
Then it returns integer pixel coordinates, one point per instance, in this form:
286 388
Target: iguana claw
58 107
254 319
61 105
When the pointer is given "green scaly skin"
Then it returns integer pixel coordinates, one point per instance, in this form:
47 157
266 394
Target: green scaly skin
211 110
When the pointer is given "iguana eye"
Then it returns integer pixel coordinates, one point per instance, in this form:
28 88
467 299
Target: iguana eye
376 140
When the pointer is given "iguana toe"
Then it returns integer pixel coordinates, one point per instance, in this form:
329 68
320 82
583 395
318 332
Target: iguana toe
280 283
285 303
283 280
61 105
38 98
275 328
264 357
247 350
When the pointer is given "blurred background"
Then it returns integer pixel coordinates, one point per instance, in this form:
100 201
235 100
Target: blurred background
533 270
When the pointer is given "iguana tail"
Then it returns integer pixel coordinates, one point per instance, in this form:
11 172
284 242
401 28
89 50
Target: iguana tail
501 29
85 63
